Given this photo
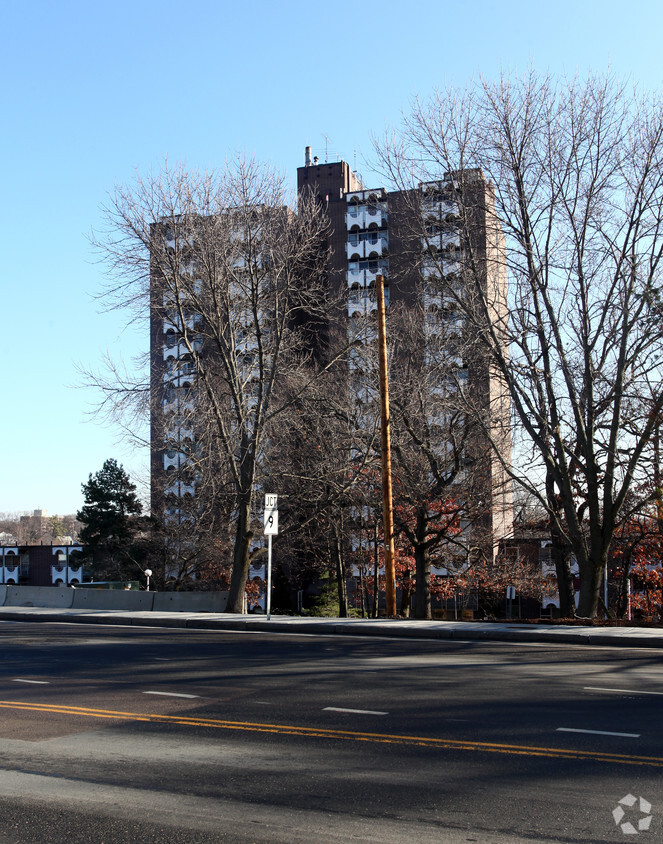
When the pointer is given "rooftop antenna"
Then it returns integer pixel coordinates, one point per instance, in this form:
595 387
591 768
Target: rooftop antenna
354 166
326 137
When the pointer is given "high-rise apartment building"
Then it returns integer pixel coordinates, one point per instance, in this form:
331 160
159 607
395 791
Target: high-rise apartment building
419 240
431 244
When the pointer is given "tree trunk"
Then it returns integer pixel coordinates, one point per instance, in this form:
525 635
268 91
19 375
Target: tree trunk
406 593
362 573
567 605
339 565
561 552
240 570
422 608
561 555
622 599
362 586
590 585
376 573
422 567
422 589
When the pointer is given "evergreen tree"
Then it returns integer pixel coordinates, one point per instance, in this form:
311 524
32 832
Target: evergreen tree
109 520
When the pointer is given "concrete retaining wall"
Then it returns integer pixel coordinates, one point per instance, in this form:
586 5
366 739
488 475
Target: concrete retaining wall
190 601
62 597
51 597
112 599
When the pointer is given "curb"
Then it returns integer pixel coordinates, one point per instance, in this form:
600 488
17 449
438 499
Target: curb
616 637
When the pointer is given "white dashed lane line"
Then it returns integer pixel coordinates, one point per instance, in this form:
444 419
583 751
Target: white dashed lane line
619 691
597 732
36 682
353 711
171 694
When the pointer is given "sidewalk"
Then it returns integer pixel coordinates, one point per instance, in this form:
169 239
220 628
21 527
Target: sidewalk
624 637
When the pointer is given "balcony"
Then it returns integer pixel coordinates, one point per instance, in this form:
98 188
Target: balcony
433 318
175 347
179 376
432 299
179 489
174 460
367 244
173 324
444 208
9 573
365 273
451 264
361 305
364 332
178 397
436 239
176 429
178 372
355 311
63 575
363 216
363 300
445 264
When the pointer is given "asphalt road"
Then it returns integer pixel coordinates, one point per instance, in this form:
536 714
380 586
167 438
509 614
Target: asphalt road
114 734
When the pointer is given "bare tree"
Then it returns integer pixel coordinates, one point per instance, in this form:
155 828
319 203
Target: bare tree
232 281
440 499
575 183
330 444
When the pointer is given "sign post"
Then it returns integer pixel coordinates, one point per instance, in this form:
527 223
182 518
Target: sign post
510 595
270 528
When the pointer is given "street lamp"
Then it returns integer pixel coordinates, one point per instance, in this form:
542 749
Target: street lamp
148 575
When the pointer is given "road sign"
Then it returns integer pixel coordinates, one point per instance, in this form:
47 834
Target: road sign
271 528
271 516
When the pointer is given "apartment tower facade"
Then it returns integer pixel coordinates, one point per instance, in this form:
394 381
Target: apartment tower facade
419 241
431 244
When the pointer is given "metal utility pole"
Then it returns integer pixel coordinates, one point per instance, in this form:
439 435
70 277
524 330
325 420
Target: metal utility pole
387 498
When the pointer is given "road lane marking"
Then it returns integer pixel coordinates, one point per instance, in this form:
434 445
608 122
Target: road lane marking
36 682
322 733
597 732
171 694
354 711
621 691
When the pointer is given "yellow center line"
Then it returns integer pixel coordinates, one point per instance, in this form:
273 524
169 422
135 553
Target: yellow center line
321 732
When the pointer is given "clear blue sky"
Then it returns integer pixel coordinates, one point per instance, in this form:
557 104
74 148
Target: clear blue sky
93 91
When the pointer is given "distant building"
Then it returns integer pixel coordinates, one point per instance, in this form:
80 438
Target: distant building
41 565
38 528
33 527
